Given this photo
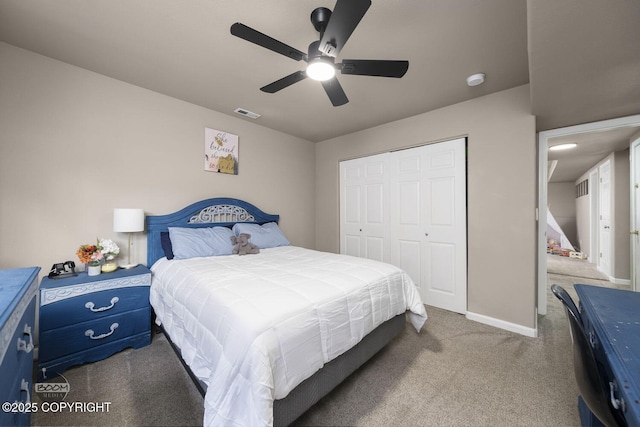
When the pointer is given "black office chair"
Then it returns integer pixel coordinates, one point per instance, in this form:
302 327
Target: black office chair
592 382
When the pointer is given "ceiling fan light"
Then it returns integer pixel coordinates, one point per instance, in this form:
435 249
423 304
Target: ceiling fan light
320 70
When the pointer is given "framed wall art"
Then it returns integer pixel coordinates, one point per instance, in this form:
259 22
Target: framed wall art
220 151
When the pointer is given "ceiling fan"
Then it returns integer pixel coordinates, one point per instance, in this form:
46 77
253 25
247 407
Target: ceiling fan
334 28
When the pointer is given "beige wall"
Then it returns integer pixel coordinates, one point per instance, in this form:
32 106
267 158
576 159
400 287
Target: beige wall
620 213
621 268
74 145
501 193
561 199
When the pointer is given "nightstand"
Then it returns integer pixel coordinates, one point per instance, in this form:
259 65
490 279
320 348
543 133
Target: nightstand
18 288
88 318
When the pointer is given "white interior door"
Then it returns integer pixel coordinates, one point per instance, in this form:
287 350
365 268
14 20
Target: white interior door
635 213
594 217
363 207
408 208
428 227
604 204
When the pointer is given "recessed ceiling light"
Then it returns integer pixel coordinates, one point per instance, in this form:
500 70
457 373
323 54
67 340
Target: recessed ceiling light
563 147
475 79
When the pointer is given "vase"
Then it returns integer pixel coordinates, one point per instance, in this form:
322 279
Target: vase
109 266
93 270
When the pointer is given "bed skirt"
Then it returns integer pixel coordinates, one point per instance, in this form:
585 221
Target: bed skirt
314 388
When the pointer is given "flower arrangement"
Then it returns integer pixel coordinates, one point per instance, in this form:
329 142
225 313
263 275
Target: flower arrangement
104 249
108 248
89 254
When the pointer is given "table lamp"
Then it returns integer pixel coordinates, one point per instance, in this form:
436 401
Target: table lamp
128 221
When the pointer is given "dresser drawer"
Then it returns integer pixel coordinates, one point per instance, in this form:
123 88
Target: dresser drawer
92 306
19 396
75 338
17 319
19 352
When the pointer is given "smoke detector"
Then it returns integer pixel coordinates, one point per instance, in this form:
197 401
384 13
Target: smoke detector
246 113
475 79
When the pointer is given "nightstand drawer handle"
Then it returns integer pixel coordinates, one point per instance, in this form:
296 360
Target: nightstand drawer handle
89 332
22 344
90 305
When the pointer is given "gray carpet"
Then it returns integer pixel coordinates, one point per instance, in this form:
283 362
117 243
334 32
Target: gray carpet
456 372
145 387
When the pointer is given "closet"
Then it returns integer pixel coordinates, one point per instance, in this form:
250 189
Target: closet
408 208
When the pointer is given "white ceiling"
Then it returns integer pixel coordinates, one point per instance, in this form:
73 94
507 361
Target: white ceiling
581 57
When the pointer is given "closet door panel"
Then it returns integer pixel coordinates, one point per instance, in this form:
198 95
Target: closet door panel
444 284
408 208
410 256
441 270
364 208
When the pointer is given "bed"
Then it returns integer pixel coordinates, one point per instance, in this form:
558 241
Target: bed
266 335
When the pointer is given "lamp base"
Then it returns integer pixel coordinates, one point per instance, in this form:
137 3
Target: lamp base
127 266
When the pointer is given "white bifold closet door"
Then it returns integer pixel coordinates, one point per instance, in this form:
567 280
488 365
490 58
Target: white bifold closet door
408 208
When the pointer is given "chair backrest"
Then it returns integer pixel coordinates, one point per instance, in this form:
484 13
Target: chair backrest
591 380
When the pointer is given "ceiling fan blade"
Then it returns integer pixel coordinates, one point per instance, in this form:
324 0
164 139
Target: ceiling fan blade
254 36
344 19
284 82
335 92
374 67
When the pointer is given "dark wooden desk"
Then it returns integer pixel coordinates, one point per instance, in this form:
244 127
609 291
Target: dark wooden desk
612 321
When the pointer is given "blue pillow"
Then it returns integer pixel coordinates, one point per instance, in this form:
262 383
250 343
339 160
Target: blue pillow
165 241
263 236
200 242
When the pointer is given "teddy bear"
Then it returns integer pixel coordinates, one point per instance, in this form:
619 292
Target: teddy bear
242 245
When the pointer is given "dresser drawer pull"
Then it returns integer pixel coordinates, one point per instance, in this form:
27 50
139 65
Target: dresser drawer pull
89 332
616 403
24 386
592 340
90 305
22 344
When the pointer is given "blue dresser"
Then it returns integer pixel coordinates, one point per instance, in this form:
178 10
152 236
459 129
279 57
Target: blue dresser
88 318
612 321
18 288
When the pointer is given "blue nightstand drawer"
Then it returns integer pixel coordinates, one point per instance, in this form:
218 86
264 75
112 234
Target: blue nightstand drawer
75 338
92 306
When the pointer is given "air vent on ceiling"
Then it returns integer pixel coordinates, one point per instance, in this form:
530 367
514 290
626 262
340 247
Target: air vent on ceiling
247 113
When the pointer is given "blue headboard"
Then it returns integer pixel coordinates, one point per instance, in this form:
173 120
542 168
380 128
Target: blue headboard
220 211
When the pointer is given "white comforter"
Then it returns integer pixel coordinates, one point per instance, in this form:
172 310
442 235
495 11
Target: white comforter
253 327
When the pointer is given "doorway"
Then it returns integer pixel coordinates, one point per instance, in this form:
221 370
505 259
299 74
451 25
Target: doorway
629 124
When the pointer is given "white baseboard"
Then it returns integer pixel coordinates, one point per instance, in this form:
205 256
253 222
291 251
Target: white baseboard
512 327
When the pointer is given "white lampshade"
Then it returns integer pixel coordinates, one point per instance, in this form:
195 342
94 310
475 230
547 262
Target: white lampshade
128 220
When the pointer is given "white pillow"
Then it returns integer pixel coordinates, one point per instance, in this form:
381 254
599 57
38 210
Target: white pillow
263 236
200 242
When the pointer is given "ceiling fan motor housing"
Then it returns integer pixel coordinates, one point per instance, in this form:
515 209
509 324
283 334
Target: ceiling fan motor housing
319 18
